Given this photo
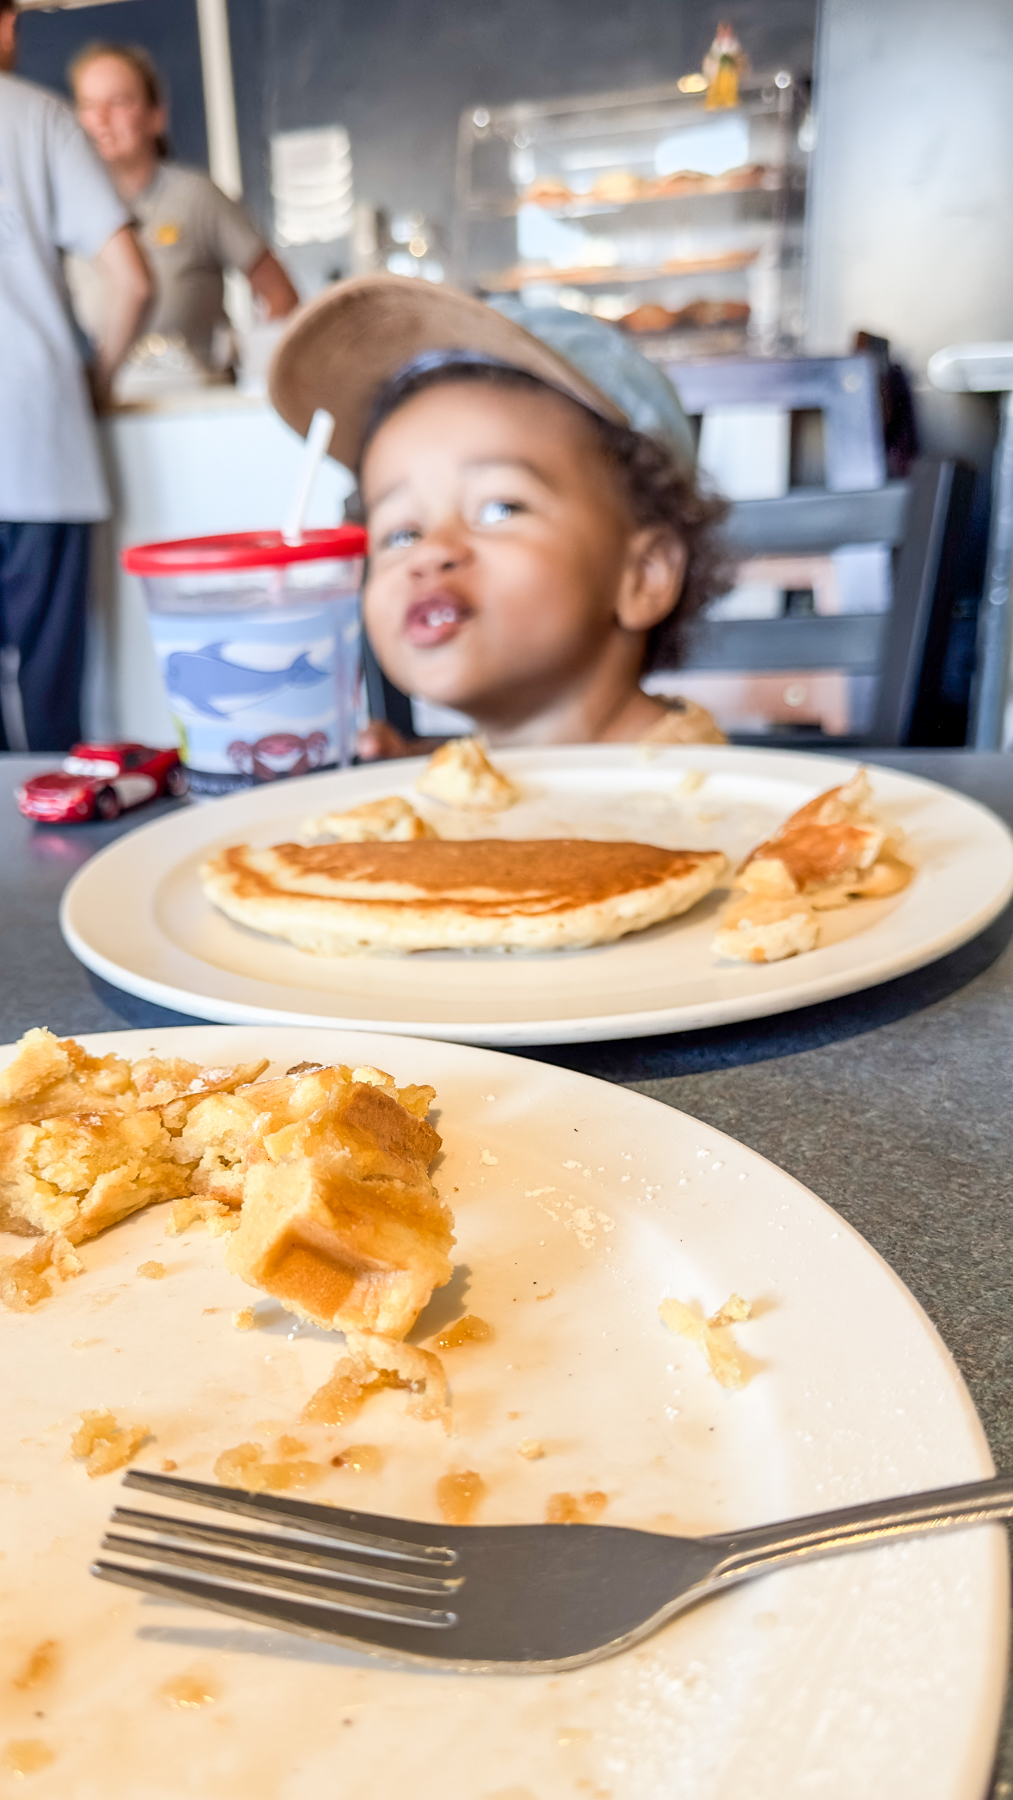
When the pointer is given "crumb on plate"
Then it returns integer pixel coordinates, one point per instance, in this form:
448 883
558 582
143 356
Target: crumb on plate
723 1357
244 1467
459 1494
567 1509
103 1444
469 1330
38 1666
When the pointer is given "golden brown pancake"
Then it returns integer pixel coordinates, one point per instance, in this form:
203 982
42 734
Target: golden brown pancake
830 853
431 894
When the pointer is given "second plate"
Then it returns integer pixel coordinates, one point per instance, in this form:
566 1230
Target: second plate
136 914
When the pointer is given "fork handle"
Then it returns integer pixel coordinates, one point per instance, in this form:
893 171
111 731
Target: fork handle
856 1527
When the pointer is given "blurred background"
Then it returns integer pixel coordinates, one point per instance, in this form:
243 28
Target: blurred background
855 201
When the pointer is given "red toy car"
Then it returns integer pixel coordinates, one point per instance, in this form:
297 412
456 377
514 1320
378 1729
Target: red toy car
99 781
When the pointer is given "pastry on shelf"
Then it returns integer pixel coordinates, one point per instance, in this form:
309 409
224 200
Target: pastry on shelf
692 265
649 317
547 190
618 185
699 315
748 175
702 315
680 181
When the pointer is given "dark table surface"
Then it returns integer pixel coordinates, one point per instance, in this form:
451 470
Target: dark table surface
894 1105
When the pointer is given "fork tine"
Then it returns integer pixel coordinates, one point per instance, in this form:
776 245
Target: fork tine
366 1532
384 1637
285 1549
312 1586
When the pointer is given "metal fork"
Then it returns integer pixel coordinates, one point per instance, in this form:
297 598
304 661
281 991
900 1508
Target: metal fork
522 1598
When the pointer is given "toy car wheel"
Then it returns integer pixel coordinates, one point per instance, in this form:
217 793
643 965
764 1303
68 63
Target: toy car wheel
107 804
177 782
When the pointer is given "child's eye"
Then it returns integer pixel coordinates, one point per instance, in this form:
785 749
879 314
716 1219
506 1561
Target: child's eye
402 538
493 512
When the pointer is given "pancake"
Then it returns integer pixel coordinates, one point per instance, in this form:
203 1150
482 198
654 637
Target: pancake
478 894
752 929
460 774
830 853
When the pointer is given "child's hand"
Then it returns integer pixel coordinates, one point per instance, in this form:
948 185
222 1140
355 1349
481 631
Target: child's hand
379 741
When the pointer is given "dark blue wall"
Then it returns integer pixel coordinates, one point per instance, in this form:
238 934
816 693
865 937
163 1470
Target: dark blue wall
398 73
166 28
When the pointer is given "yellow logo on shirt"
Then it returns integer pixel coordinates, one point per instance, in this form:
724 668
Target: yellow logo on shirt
164 236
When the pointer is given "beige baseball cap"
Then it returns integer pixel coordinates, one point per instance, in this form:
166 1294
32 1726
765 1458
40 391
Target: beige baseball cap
342 349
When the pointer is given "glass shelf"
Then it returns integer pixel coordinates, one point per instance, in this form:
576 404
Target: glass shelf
645 191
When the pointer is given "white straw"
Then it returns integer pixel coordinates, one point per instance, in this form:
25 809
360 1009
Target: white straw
317 440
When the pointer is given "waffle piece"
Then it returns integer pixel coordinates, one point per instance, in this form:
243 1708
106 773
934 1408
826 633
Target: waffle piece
220 1130
51 1077
85 1140
340 1220
78 1173
482 893
171 1081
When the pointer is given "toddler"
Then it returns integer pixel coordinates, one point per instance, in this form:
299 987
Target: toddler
538 540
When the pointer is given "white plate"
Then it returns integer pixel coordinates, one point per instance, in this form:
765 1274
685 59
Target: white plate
137 916
874 1674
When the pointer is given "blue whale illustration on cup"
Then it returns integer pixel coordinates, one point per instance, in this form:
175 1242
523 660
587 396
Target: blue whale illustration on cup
217 687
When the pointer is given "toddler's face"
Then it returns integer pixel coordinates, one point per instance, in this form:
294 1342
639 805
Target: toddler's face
497 544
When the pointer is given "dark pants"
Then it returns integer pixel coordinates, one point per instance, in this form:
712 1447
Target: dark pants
43 590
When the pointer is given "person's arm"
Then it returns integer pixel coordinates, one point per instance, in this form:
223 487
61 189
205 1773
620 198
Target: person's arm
271 286
379 741
128 294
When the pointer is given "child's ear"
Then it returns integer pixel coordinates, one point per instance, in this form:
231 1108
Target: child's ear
652 578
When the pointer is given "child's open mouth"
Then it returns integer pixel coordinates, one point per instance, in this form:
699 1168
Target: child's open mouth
435 620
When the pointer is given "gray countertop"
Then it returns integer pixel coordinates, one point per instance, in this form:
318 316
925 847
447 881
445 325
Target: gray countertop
894 1105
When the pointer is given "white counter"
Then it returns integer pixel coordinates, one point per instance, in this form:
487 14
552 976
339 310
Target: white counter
205 462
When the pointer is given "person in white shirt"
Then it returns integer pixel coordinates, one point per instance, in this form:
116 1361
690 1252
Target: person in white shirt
190 230
55 200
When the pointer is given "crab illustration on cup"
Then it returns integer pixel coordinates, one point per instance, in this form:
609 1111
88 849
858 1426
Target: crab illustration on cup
279 754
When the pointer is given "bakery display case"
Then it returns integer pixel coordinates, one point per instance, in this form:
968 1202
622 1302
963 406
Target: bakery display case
679 222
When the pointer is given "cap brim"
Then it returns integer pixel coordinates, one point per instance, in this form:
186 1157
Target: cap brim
342 348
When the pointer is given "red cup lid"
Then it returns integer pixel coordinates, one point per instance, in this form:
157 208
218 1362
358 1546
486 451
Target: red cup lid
242 550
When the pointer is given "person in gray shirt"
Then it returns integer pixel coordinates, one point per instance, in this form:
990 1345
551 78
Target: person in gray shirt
55 199
190 230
